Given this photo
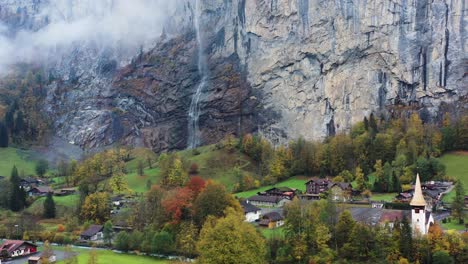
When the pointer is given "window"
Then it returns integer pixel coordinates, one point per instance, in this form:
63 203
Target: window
416 210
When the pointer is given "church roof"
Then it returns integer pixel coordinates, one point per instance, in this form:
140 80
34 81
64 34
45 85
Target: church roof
418 198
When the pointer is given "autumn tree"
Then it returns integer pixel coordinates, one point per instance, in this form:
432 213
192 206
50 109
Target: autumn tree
360 180
119 183
96 207
343 227
231 240
187 238
196 184
47 252
178 204
213 200
173 171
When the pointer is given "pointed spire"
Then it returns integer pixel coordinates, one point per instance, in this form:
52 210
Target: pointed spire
418 198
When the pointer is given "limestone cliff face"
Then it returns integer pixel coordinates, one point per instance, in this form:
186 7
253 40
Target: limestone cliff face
323 65
284 68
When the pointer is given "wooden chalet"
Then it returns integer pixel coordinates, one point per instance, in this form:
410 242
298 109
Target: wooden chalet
284 192
317 185
272 220
93 233
268 200
65 191
40 191
18 248
251 212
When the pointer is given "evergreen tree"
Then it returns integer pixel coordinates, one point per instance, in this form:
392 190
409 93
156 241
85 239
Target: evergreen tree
140 168
366 123
3 136
41 167
17 195
49 206
459 202
108 232
19 122
396 183
373 125
406 239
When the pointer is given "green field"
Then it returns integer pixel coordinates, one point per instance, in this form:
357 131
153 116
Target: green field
218 164
453 225
137 183
111 257
295 182
272 233
387 197
456 164
22 159
60 201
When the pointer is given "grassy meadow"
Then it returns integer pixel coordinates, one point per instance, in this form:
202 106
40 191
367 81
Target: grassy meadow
456 164
23 159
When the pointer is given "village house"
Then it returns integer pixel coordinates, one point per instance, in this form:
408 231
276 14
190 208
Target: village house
272 220
65 192
317 185
18 248
40 191
251 212
340 191
93 233
284 192
28 183
268 201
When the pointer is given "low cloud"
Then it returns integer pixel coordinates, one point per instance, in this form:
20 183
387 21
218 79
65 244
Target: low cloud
119 24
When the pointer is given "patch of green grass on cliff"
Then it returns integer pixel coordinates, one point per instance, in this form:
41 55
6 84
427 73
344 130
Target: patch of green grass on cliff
22 159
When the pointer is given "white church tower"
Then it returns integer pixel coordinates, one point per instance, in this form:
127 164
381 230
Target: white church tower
418 211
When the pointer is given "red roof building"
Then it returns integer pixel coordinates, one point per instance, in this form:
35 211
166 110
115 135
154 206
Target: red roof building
17 248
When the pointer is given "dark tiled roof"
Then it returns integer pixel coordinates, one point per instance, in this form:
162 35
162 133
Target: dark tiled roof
319 181
249 208
29 180
42 189
273 216
265 198
92 230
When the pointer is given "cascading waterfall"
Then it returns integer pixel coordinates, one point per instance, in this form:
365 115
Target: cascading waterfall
194 110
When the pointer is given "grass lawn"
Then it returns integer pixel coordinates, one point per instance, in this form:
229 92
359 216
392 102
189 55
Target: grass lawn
60 202
387 197
219 165
22 159
453 225
295 182
269 233
456 164
111 257
138 183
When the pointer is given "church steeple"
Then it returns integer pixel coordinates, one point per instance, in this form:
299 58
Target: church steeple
418 197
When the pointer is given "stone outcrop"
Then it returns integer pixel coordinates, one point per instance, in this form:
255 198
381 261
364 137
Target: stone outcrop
284 68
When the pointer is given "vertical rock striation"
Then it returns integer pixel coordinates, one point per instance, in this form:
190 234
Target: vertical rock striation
285 68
